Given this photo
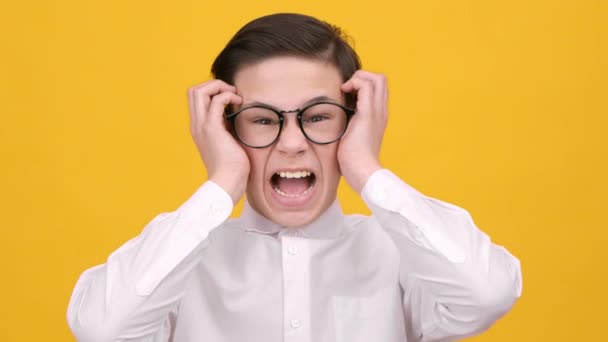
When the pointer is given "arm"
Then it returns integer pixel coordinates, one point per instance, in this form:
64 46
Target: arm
131 295
134 295
456 282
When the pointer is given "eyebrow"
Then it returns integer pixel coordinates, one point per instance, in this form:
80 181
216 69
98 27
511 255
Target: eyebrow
311 101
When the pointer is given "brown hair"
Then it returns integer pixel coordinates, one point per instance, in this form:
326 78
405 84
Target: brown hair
286 34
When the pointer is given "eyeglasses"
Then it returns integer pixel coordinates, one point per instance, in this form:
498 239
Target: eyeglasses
260 126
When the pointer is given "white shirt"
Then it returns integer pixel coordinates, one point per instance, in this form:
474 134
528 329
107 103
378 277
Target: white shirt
418 269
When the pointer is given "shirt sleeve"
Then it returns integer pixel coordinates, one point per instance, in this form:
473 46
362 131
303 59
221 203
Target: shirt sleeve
133 295
456 282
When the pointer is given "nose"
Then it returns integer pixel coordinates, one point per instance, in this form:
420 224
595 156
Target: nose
292 139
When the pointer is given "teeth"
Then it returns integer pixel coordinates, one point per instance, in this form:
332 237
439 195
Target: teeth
294 195
296 174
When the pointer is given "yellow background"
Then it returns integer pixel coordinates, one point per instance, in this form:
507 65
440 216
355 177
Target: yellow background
497 106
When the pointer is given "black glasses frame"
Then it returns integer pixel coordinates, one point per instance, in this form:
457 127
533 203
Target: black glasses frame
232 117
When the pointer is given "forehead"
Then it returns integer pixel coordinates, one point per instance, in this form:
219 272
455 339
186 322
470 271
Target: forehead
288 82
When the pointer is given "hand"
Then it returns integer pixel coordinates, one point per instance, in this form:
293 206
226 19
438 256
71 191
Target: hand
359 150
225 160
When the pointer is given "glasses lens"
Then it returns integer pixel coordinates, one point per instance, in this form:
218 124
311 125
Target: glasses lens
257 126
324 122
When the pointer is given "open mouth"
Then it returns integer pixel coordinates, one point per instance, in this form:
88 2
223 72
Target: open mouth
293 183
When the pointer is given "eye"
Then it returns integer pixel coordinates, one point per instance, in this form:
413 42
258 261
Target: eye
316 118
263 121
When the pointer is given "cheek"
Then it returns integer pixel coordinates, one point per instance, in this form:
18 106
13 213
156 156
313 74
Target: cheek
257 163
329 161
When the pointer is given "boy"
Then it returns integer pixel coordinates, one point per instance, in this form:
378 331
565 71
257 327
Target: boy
289 112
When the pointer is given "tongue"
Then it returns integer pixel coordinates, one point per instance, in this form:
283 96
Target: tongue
293 186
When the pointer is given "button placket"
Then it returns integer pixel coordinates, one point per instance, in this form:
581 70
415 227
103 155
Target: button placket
296 290
296 323
292 249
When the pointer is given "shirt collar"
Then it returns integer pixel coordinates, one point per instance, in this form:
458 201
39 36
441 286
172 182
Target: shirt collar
329 225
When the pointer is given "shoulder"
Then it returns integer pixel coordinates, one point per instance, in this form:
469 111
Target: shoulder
368 231
231 228
362 224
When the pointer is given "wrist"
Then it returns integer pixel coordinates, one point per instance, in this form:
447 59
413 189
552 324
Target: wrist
357 177
233 185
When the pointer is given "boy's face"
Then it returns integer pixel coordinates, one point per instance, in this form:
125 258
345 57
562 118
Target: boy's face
288 83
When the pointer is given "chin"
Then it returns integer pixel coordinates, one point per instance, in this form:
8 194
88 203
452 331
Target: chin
295 218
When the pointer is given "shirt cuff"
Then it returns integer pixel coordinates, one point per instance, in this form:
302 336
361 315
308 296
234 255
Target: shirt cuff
385 190
173 240
208 207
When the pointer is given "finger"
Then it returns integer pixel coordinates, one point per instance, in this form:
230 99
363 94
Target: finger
364 90
214 87
218 104
348 86
380 91
365 75
194 122
205 91
201 98
190 106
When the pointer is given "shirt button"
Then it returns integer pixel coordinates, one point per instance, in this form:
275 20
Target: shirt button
296 323
293 249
